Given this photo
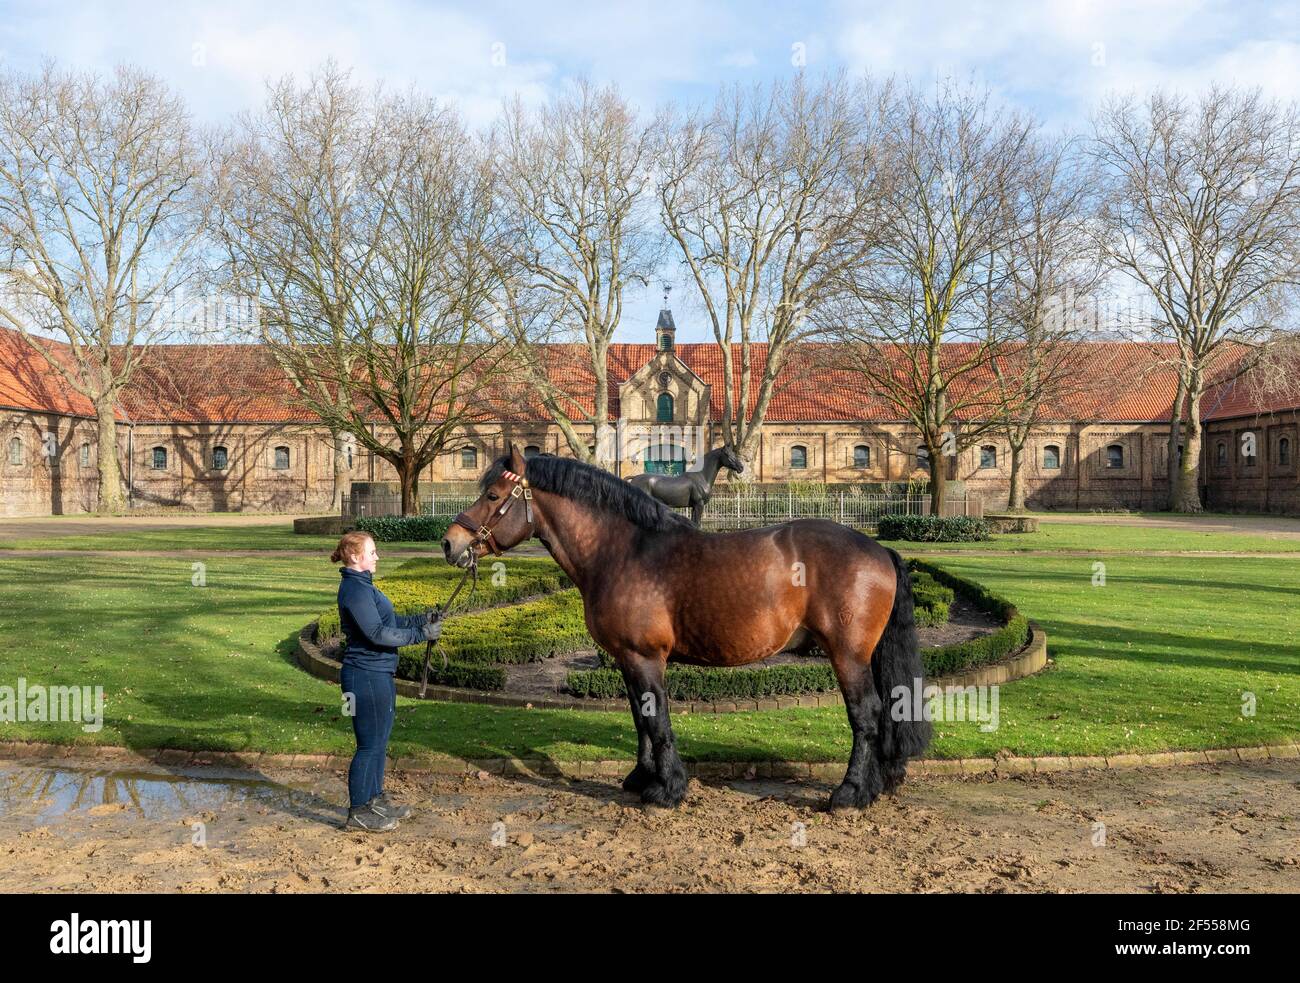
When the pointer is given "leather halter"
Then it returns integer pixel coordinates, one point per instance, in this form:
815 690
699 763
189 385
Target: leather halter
483 533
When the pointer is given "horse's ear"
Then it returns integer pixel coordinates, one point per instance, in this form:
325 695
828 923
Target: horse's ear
517 464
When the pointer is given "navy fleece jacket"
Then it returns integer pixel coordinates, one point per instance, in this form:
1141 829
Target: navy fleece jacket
374 632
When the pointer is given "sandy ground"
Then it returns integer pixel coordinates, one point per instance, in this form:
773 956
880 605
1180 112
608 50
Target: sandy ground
1212 828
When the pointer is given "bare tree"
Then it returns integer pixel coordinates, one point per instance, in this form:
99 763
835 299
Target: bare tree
100 223
771 200
572 178
1203 212
300 218
366 224
939 272
1052 269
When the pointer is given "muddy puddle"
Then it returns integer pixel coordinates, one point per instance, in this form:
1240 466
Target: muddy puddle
42 795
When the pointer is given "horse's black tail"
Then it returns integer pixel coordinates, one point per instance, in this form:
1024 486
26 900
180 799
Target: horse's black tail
897 669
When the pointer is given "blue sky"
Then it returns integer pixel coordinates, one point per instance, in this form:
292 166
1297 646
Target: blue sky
1055 58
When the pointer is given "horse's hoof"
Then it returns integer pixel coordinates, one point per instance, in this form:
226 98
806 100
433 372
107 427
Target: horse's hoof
638 779
660 794
850 797
844 797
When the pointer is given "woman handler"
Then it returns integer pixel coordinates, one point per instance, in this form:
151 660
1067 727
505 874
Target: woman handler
373 633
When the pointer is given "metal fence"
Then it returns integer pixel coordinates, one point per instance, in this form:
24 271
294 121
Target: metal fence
728 509
759 507
388 503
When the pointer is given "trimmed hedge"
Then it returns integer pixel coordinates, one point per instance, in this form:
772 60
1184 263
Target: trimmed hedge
1011 637
936 613
933 600
549 626
423 583
933 529
927 590
703 683
460 674
404 528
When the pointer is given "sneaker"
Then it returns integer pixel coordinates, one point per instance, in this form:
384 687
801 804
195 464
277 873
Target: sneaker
386 807
369 819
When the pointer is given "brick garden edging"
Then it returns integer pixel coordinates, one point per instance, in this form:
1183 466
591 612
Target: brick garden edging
1005 767
1026 662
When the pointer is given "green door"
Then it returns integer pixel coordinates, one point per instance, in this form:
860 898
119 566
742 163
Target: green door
674 463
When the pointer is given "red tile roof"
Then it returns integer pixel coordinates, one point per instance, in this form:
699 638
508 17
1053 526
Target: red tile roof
29 382
1118 382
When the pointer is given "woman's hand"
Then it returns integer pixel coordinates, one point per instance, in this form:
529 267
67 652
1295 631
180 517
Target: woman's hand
432 626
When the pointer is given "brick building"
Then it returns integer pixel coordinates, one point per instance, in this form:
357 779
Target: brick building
215 428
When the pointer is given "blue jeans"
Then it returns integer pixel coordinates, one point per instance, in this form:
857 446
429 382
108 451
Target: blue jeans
375 695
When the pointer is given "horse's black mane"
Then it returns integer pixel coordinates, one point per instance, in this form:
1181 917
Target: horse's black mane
592 486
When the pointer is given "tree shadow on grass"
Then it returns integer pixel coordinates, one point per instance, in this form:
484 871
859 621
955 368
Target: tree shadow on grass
1150 646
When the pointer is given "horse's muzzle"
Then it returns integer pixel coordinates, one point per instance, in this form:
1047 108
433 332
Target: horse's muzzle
461 559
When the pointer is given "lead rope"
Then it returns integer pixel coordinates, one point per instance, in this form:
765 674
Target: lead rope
471 570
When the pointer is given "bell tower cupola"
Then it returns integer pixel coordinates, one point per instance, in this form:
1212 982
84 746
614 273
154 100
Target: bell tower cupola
665 330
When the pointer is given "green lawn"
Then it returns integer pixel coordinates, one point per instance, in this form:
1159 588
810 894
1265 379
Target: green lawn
1051 537
1094 537
1158 658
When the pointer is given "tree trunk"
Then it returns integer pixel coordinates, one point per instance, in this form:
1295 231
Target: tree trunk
748 453
1188 498
409 475
576 444
110 481
938 486
1016 493
1171 452
342 470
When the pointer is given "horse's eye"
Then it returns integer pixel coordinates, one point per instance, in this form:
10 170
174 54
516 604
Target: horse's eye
492 496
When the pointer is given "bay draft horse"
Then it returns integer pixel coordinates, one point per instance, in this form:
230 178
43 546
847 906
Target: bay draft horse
655 588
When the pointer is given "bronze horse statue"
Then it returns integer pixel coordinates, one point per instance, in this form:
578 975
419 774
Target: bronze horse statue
694 488
655 588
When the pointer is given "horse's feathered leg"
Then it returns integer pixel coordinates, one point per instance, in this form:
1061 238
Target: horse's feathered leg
645 686
644 772
864 779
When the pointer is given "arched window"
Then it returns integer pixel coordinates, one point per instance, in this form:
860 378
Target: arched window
988 456
160 458
862 456
469 457
923 457
282 458
665 342
15 450
1051 458
1221 454
532 450
1115 456
220 458
664 408
1284 452
85 455
798 456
